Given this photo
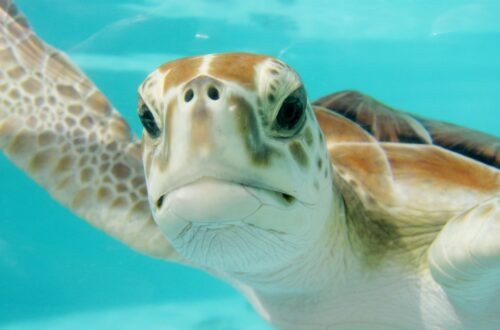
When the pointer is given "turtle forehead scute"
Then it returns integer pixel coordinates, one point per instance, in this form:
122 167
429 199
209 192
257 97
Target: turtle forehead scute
180 71
236 67
239 68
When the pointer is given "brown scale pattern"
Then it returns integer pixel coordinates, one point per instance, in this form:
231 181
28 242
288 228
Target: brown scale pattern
388 125
402 178
57 127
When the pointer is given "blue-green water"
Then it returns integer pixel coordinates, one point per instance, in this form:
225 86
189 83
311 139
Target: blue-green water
440 59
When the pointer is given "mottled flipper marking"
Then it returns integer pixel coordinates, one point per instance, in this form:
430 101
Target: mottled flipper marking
58 127
465 257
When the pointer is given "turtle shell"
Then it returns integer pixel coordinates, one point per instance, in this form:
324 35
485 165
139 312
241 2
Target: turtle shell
388 125
402 177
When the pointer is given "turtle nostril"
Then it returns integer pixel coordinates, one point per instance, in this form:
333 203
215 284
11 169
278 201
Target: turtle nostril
159 202
188 96
213 93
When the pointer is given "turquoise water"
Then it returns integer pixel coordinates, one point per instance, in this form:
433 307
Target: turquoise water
440 59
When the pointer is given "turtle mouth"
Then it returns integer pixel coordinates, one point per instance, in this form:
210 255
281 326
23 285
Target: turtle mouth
214 202
286 198
159 202
257 191
230 225
289 199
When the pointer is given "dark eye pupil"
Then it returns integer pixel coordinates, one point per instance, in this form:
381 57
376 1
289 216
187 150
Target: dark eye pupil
291 113
148 121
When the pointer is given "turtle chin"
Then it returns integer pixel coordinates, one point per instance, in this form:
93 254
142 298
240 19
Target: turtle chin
232 227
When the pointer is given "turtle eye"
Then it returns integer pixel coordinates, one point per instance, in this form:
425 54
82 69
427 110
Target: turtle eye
292 113
148 121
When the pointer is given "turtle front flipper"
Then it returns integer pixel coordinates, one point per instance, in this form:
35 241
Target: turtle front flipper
58 127
465 257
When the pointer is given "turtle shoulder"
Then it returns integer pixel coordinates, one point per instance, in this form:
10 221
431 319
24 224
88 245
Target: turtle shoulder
403 177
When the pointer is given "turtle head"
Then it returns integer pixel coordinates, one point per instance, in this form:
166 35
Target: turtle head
235 163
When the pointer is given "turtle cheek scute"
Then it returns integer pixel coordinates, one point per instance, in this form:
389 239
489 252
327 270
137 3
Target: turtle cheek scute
147 155
247 126
299 154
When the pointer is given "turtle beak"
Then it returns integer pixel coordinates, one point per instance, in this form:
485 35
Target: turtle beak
209 200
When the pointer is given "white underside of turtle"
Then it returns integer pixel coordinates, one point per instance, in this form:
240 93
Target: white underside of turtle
337 214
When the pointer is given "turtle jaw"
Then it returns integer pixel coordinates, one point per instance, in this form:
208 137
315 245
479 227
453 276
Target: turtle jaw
206 200
203 186
230 226
217 202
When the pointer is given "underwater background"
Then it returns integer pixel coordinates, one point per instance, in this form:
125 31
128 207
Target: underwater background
439 59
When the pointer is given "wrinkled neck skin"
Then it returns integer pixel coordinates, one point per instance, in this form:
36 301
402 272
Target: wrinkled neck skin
328 287
292 296
301 274
296 293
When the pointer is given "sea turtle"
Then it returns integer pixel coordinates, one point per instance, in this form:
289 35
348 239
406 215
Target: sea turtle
343 213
